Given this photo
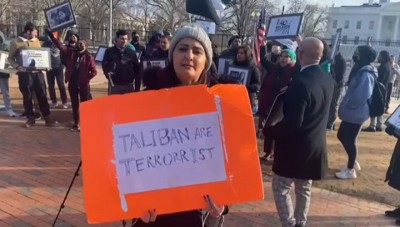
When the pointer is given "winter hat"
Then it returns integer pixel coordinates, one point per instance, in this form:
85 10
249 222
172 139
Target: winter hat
291 54
194 32
366 54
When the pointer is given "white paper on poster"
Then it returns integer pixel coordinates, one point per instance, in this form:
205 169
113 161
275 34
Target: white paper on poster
167 153
208 26
284 26
35 58
154 63
3 61
100 54
289 43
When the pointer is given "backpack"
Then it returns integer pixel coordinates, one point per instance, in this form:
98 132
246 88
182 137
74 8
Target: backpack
377 102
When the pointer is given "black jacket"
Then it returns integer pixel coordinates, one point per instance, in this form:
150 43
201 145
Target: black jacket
300 138
338 69
384 73
228 53
125 65
139 48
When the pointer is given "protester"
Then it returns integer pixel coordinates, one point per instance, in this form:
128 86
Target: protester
4 88
394 74
338 70
279 77
162 51
121 66
80 69
30 81
233 43
56 73
153 45
384 70
354 109
190 57
300 139
244 58
393 172
136 43
325 62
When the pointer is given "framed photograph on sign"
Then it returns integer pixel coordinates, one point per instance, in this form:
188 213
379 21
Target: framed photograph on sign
223 64
284 26
60 16
240 74
35 58
154 62
100 53
4 62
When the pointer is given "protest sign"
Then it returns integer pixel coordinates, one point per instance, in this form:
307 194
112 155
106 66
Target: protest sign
170 154
336 44
60 16
284 26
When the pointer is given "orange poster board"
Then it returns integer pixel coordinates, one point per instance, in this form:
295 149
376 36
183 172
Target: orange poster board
106 199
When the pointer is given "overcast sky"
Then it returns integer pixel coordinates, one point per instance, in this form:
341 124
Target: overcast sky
342 2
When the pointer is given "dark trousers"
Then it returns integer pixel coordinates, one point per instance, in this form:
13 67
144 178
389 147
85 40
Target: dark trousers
269 145
337 94
347 134
31 84
389 90
120 89
78 93
53 75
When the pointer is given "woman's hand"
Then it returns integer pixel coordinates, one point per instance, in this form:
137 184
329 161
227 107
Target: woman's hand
214 210
150 216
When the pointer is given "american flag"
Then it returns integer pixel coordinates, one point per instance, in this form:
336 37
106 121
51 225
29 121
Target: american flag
259 35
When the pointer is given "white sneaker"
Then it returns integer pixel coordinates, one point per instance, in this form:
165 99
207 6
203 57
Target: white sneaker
11 113
53 105
65 106
346 174
357 166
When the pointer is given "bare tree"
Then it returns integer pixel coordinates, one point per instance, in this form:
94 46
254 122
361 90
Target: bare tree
242 15
315 17
170 14
140 15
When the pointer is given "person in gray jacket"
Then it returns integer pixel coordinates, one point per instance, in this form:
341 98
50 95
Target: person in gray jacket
354 109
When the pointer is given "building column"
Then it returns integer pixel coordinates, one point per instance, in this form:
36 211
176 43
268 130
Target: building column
378 35
396 29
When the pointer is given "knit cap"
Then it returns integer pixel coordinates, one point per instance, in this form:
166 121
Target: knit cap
194 32
291 54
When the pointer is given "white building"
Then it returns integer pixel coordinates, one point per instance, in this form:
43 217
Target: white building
378 20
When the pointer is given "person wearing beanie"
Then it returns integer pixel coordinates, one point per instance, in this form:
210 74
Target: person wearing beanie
354 109
278 77
80 69
136 43
190 57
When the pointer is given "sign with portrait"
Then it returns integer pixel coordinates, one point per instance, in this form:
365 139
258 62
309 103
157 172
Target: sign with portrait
208 26
162 63
240 74
36 58
284 26
394 119
100 53
60 16
4 62
223 64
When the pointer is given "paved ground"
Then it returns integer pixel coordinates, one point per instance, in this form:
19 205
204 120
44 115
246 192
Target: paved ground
37 165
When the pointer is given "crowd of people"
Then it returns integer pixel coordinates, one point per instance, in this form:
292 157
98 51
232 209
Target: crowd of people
312 84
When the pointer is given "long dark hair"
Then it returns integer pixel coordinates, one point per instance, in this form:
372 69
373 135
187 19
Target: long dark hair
247 52
363 56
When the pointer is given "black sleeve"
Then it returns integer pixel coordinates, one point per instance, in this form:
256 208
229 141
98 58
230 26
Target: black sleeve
294 107
106 64
339 68
264 59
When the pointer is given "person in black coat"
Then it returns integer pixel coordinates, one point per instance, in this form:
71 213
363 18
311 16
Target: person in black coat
300 139
338 69
393 172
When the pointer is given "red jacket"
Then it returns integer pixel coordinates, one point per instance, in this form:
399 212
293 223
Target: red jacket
87 68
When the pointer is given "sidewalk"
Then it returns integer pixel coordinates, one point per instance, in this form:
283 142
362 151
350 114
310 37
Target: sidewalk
37 165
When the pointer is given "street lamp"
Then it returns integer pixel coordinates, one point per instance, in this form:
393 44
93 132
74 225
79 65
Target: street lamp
110 41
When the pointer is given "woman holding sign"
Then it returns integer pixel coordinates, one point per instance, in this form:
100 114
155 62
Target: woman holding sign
190 57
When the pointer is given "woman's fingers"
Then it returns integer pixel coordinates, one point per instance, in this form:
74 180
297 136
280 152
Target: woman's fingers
214 209
153 215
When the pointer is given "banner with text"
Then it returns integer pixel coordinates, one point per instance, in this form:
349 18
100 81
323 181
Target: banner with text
170 154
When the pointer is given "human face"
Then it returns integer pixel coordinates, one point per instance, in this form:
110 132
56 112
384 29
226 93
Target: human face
236 43
61 15
81 46
122 40
189 61
241 55
284 59
392 60
73 39
164 44
31 34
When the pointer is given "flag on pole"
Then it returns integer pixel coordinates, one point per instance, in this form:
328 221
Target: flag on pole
259 35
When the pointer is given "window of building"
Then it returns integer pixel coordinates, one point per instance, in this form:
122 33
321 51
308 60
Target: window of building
388 41
344 39
371 25
358 25
346 24
390 25
334 25
356 39
333 38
